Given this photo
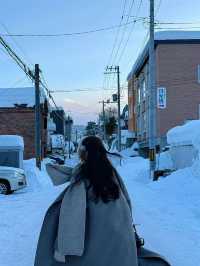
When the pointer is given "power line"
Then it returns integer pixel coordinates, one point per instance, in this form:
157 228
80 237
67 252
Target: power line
106 77
124 31
17 60
112 59
16 43
30 73
68 34
81 90
117 35
130 33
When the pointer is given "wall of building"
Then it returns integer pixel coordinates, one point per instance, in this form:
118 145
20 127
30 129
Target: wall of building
177 71
131 104
58 118
21 121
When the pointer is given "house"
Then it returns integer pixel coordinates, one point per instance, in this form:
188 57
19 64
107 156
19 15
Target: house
17 116
177 80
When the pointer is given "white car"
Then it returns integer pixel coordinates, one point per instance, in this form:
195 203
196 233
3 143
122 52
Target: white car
11 179
12 175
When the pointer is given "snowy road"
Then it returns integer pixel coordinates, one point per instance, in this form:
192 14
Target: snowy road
167 211
21 218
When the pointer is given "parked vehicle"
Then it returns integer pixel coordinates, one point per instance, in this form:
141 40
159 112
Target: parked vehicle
12 176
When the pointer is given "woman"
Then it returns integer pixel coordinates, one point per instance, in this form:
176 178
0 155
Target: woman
90 224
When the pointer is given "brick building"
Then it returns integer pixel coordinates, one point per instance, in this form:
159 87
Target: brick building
177 80
17 116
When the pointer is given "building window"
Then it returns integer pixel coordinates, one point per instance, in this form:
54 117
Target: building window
139 95
143 88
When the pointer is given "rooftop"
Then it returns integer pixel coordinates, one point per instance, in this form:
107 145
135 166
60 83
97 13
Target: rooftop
10 97
164 37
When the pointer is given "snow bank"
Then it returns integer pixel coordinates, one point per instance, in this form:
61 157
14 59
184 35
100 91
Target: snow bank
132 151
185 134
167 211
36 180
21 219
164 161
185 144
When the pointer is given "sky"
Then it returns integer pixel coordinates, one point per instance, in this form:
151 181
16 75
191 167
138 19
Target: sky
77 62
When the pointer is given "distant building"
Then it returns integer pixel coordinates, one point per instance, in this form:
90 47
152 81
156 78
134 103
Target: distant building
59 117
17 116
177 81
124 117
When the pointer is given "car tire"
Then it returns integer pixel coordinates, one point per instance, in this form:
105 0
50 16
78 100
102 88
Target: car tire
5 188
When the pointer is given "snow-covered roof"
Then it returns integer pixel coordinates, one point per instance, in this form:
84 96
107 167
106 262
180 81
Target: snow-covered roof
9 97
162 37
11 141
187 134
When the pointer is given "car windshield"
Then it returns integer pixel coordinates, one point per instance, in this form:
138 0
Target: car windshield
9 158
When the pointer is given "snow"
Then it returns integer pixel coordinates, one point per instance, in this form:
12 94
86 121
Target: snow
132 151
24 95
167 212
185 134
36 180
11 141
184 143
164 161
22 215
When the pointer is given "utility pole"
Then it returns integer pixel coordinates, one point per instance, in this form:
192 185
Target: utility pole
37 117
104 119
153 96
115 70
69 123
119 108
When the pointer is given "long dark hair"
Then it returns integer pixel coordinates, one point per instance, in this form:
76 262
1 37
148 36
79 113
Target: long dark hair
98 169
